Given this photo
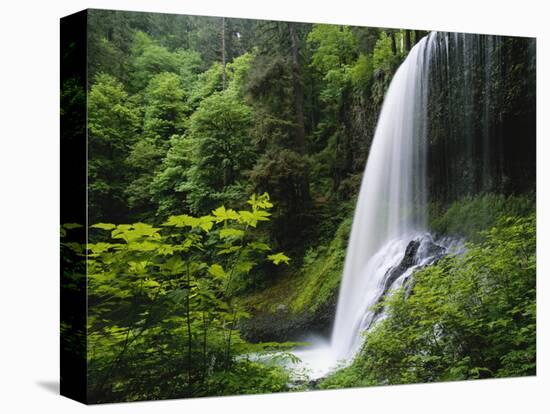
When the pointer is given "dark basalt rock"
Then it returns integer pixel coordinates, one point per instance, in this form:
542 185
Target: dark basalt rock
409 259
433 250
283 325
417 250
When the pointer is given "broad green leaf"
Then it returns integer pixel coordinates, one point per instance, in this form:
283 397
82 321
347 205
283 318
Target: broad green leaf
247 217
278 258
145 246
165 249
229 250
245 267
181 221
103 226
260 202
224 233
150 283
178 295
221 214
259 246
217 271
206 223
99 247
175 265
138 268
143 229
134 232
261 215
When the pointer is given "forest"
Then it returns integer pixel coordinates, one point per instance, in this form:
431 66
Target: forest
225 160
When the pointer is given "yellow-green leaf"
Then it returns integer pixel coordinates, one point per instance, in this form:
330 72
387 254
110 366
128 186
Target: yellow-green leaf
278 258
102 226
223 214
217 271
224 233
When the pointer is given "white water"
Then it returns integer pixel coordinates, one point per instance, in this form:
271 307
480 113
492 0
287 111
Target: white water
390 212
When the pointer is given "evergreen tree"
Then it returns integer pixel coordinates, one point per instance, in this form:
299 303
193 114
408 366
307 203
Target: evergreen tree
113 122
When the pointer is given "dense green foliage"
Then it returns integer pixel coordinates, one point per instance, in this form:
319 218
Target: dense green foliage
190 113
188 116
113 123
469 316
162 318
208 110
468 217
304 298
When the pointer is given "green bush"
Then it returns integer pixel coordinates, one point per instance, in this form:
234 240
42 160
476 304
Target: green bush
470 215
161 320
469 316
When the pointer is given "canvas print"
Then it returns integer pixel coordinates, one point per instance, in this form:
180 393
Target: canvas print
255 206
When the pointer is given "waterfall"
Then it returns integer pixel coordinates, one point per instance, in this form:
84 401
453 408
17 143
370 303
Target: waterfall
391 208
459 150
390 213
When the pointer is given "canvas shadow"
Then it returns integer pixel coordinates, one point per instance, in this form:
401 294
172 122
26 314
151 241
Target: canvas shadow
51 386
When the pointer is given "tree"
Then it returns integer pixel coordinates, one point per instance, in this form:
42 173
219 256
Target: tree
298 92
113 123
165 115
169 183
207 83
333 52
333 47
334 62
275 88
177 178
150 59
407 41
221 151
385 52
110 37
143 162
224 58
165 108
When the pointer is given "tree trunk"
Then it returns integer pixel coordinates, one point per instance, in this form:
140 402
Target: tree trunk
417 36
298 106
297 89
204 347
224 76
407 40
228 350
189 338
393 43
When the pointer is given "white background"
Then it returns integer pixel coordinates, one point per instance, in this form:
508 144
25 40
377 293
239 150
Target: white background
29 204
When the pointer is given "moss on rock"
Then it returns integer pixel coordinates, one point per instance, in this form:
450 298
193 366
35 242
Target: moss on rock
302 301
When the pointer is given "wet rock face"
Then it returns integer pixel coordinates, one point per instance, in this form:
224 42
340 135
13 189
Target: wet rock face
431 249
420 252
409 260
282 325
473 131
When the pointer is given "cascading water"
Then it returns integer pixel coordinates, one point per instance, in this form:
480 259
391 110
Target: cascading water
458 79
390 212
391 208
